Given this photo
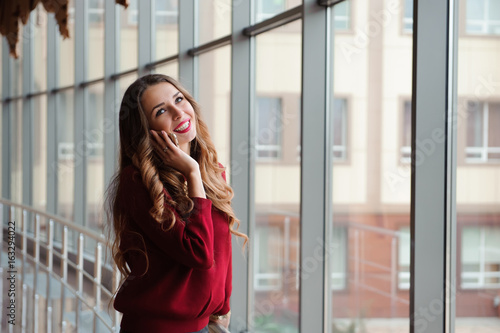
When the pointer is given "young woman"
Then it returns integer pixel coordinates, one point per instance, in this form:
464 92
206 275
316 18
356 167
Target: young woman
171 215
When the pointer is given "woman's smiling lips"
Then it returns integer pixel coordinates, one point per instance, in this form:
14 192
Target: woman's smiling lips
183 127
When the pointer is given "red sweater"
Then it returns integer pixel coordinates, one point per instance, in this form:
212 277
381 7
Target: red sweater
189 273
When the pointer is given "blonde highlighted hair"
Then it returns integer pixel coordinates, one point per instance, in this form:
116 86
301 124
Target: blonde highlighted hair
136 149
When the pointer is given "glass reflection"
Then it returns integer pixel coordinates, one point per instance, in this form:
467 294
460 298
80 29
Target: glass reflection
277 180
96 39
167 28
67 50
478 169
370 243
65 154
214 19
95 155
214 98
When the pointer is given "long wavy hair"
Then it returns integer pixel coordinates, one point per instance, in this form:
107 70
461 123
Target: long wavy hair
136 149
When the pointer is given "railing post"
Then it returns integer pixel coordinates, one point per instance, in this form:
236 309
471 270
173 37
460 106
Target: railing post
97 282
36 253
79 281
50 251
64 273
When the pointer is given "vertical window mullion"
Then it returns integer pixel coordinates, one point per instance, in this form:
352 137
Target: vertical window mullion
315 162
242 161
111 96
146 35
52 107
6 128
80 149
27 114
187 42
433 217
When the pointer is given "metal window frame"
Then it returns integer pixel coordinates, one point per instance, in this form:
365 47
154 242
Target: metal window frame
6 120
52 113
316 162
433 218
80 112
27 136
242 161
433 264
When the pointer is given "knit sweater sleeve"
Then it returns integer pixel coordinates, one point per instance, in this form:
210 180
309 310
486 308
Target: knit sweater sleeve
190 241
229 277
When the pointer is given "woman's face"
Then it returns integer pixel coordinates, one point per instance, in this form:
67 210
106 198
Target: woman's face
168 110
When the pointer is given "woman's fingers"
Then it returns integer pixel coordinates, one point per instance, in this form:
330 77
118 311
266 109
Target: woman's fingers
162 142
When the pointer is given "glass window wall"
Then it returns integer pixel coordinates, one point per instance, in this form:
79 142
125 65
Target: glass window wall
277 179
478 170
370 246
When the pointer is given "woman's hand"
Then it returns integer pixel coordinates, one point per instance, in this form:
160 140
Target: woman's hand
174 157
223 320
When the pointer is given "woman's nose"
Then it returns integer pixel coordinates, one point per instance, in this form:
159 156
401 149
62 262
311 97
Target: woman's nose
177 112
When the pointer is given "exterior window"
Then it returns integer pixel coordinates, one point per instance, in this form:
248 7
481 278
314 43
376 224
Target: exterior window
342 14
404 258
406 134
480 257
268 258
483 17
338 255
408 16
166 12
269 128
483 137
96 12
269 8
340 129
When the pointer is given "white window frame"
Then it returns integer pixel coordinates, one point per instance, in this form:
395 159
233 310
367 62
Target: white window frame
480 275
405 151
342 148
484 150
485 23
406 19
278 148
260 277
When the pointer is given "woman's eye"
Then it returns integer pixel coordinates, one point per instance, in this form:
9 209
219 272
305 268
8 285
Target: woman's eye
179 99
160 112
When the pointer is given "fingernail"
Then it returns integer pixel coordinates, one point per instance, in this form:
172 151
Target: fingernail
163 132
151 131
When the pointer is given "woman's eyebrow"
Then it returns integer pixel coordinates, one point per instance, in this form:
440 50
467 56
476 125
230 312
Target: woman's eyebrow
162 103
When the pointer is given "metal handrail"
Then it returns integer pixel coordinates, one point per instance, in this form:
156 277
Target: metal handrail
30 296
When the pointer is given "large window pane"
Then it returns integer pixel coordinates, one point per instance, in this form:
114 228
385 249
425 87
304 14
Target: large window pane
167 28
214 98
96 39
170 68
40 153
16 151
277 179
129 22
67 50
16 70
95 155
482 17
214 19
265 9
370 249
65 154
478 170
40 39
